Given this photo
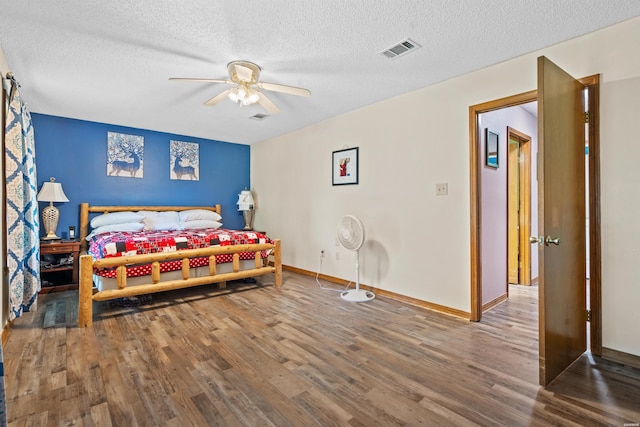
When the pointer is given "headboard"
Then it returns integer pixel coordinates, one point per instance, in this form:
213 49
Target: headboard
85 209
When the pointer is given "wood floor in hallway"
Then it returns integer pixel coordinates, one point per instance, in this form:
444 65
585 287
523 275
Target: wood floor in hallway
253 355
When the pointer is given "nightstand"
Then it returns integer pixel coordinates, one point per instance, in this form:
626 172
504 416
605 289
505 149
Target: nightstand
63 255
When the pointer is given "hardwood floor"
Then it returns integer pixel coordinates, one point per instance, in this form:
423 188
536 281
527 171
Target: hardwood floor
298 356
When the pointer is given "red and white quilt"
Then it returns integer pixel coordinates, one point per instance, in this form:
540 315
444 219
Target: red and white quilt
116 244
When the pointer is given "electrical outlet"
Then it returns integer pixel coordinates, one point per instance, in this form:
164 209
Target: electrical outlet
442 189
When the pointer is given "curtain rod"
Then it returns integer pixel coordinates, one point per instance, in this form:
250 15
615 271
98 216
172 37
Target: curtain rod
11 77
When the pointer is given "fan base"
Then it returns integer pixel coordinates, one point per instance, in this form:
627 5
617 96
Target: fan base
357 295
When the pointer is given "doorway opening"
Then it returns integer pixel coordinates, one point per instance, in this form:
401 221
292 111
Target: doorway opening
518 207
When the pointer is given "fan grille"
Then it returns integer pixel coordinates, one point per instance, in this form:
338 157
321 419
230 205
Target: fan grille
350 232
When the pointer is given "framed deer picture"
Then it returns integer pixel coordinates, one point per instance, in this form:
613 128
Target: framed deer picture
125 155
184 160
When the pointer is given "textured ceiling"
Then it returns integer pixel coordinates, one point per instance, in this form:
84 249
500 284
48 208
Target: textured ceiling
109 61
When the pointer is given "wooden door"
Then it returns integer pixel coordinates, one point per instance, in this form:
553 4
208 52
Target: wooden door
561 216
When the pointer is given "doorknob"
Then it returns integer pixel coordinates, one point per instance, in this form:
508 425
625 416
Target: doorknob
538 240
549 241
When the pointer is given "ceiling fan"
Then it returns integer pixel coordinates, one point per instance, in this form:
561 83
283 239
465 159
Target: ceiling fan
245 76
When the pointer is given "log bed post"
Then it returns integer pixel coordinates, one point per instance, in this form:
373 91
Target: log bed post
277 255
84 225
85 292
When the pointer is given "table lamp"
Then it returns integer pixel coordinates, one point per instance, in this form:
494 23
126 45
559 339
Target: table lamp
51 192
245 204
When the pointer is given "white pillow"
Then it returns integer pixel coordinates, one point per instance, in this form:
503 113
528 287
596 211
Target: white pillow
196 214
115 218
157 221
129 226
201 223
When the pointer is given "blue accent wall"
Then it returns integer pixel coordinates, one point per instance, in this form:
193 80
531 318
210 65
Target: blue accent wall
75 153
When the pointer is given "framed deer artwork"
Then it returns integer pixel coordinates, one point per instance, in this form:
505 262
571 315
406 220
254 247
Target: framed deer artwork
184 160
125 155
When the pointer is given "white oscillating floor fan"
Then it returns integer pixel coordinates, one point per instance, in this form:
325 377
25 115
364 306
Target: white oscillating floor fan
350 234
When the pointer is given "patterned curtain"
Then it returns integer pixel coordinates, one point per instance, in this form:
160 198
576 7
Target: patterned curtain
3 394
23 242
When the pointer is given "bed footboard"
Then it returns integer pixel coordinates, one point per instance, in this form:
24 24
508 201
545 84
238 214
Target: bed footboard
88 264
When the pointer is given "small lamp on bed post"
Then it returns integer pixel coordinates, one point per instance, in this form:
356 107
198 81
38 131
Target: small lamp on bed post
51 192
245 204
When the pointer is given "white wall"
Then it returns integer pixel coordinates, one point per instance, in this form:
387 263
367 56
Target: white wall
418 243
620 215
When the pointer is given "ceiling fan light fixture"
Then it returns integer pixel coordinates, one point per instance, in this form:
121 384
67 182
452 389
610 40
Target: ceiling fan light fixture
251 98
243 95
233 95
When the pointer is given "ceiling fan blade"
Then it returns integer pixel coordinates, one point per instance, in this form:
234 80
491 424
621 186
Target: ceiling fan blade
267 104
219 97
244 74
291 90
200 80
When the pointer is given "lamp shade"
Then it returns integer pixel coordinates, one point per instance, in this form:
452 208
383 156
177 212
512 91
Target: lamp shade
52 192
245 200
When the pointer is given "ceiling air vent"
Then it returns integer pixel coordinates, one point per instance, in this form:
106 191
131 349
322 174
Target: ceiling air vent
259 116
400 49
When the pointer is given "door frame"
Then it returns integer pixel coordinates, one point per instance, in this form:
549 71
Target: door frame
523 218
592 83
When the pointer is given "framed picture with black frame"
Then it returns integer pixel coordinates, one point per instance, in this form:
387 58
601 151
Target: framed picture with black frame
491 158
345 166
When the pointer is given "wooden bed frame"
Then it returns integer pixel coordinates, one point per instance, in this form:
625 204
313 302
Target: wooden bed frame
273 264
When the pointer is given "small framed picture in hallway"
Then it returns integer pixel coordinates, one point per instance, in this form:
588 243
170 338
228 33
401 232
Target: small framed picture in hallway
491 148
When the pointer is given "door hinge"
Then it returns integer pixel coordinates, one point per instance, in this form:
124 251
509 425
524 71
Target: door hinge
586 117
588 315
